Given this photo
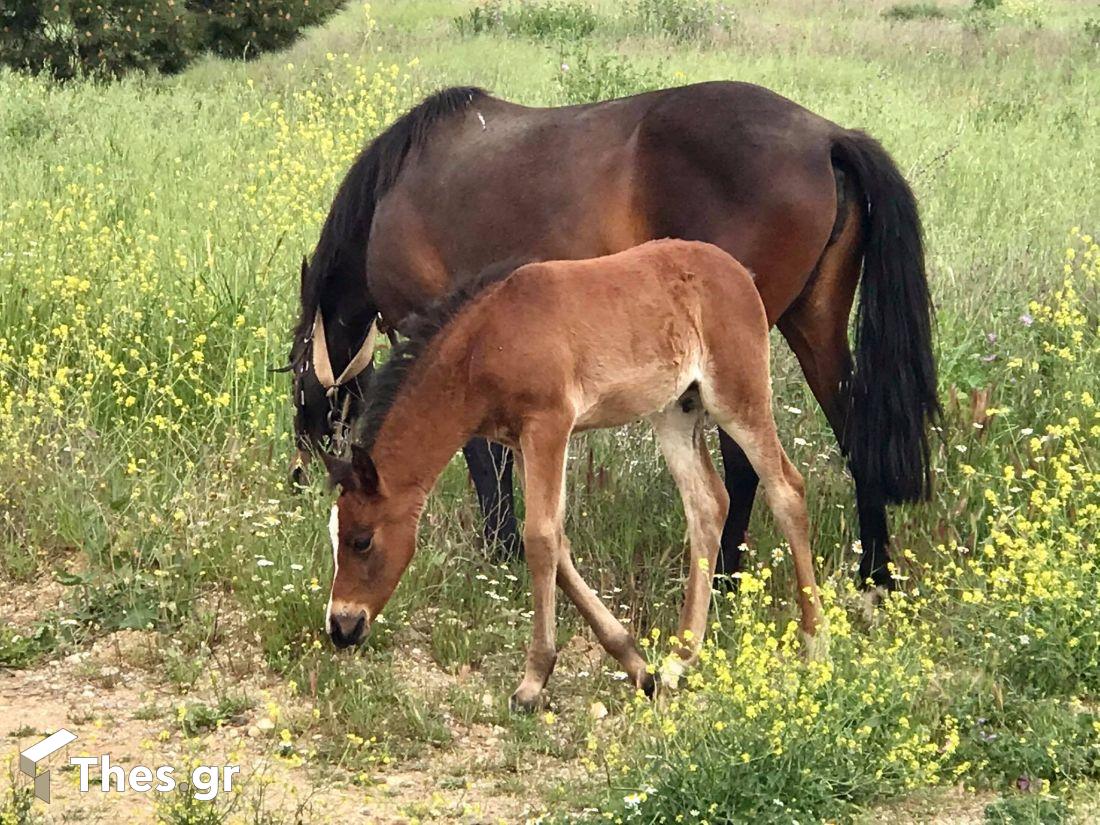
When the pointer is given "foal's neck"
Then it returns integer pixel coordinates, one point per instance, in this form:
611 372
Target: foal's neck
432 417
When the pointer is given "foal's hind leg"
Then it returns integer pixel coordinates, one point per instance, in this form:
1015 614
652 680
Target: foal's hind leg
740 401
680 432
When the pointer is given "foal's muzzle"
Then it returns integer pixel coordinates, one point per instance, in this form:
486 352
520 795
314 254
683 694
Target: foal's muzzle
347 629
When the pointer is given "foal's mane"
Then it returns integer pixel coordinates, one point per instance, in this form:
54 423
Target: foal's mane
421 330
344 236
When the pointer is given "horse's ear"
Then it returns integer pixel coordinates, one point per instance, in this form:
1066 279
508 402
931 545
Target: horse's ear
340 473
365 471
305 268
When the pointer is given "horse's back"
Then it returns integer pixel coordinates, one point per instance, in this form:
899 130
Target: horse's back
729 163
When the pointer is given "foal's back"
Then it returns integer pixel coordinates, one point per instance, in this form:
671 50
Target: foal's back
618 337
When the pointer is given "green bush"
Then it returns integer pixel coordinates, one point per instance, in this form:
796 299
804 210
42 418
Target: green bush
111 37
583 78
245 28
554 20
1092 30
682 20
106 38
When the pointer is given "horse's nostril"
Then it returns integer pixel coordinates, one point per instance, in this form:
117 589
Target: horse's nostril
347 629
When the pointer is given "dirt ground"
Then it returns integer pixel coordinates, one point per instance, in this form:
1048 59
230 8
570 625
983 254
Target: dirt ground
112 697
117 703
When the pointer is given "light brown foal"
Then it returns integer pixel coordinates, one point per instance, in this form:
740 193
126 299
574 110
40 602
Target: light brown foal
668 331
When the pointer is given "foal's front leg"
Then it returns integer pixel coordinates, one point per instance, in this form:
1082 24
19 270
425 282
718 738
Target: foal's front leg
543 450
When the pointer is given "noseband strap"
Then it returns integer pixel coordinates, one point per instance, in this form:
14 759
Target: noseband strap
322 365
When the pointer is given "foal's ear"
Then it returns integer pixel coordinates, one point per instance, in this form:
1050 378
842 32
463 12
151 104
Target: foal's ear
366 473
340 472
305 269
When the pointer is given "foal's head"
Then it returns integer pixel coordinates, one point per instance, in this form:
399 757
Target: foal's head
373 538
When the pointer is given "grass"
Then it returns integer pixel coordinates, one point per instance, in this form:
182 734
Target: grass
915 11
152 229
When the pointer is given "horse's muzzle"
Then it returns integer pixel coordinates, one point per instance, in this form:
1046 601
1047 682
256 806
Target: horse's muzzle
347 629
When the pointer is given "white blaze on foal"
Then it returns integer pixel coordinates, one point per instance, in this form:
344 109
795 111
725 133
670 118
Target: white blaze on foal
334 536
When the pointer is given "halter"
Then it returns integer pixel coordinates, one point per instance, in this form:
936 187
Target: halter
322 368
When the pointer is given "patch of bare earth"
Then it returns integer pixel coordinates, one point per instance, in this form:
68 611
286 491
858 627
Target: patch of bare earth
115 698
953 806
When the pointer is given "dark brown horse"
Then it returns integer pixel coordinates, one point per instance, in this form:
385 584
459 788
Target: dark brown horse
814 210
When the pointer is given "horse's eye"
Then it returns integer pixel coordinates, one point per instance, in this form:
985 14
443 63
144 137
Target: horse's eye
361 544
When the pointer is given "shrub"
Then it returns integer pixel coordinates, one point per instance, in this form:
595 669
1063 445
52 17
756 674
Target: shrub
1092 30
568 20
480 19
1029 13
245 28
682 20
111 37
106 38
914 11
583 78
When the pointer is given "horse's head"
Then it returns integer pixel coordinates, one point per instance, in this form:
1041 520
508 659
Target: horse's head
327 406
373 538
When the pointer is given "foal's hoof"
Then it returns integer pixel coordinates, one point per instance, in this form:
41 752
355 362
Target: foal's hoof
526 701
815 648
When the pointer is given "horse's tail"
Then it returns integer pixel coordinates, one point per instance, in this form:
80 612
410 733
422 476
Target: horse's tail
340 254
892 393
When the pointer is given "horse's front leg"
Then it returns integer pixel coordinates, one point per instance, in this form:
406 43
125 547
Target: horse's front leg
491 471
543 446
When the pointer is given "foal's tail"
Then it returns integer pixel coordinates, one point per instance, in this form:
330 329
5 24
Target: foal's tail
893 387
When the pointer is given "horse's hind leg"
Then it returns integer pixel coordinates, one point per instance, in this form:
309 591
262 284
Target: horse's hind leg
741 484
680 432
816 328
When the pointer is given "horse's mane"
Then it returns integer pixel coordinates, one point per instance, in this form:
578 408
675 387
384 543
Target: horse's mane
422 330
344 236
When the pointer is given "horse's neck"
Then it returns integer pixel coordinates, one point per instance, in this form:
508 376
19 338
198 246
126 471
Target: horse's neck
431 419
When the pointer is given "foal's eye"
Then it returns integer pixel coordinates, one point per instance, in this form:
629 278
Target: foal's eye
361 544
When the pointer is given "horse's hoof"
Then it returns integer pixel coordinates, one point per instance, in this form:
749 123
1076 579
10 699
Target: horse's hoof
871 599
